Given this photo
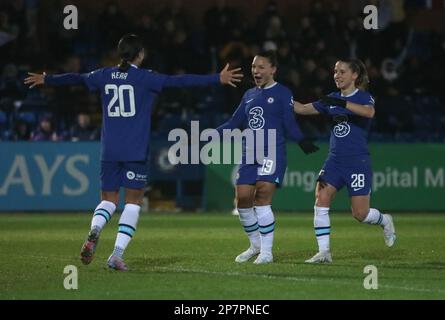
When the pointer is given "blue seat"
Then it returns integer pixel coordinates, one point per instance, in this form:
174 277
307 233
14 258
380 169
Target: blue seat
28 117
6 135
3 124
3 118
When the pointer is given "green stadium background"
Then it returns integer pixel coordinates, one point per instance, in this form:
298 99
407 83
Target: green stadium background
407 177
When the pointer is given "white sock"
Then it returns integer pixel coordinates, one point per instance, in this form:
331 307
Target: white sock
127 228
102 214
375 217
322 227
266 222
249 222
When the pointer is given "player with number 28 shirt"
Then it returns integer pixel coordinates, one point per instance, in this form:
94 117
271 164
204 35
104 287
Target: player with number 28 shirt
348 163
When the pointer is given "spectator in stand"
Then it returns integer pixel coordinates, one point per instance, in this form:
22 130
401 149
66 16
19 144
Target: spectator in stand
83 130
220 21
11 87
22 131
45 131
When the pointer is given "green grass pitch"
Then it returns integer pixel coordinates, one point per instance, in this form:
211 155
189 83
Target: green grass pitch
191 256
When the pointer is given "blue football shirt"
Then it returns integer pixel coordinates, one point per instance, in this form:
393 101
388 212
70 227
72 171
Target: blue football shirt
264 109
349 136
127 100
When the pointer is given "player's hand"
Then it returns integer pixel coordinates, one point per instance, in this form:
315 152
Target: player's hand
331 101
35 79
308 146
227 76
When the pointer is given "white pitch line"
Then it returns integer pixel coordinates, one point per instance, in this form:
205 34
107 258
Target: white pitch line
269 276
264 276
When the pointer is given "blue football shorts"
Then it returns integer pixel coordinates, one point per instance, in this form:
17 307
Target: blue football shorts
116 174
270 171
356 175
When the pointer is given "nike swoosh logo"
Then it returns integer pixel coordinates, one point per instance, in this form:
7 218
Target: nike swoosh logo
332 107
357 189
249 100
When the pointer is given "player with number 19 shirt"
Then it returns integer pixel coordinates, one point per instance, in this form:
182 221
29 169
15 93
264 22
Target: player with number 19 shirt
266 108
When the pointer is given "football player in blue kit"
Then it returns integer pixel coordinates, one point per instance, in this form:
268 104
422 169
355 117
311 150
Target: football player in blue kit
348 163
127 93
268 107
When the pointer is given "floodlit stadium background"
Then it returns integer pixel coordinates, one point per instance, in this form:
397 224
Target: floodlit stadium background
404 57
49 180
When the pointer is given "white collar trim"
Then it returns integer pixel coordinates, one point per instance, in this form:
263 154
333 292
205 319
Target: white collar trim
269 86
351 94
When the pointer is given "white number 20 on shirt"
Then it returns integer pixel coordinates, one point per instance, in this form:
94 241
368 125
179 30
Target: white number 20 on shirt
118 94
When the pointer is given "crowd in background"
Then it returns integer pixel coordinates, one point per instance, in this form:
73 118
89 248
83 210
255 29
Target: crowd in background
404 65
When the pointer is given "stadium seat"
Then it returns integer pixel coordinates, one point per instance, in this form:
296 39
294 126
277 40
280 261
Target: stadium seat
6 135
28 117
3 126
3 118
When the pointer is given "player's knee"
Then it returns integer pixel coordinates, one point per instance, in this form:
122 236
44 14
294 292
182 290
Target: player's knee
244 204
360 213
259 198
263 201
322 199
243 201
134 200
111 197
134 196
262 198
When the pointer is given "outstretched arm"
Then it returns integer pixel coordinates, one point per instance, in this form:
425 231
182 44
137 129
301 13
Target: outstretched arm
226 76
229 77
65 79
305 109
366 111
235 121
294 132
35 79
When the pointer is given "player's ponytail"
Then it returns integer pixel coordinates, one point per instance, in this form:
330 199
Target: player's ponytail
130 45
363 79
359 67
124 65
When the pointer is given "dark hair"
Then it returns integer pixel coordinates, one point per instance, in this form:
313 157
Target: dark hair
269 55
358 67
128 48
